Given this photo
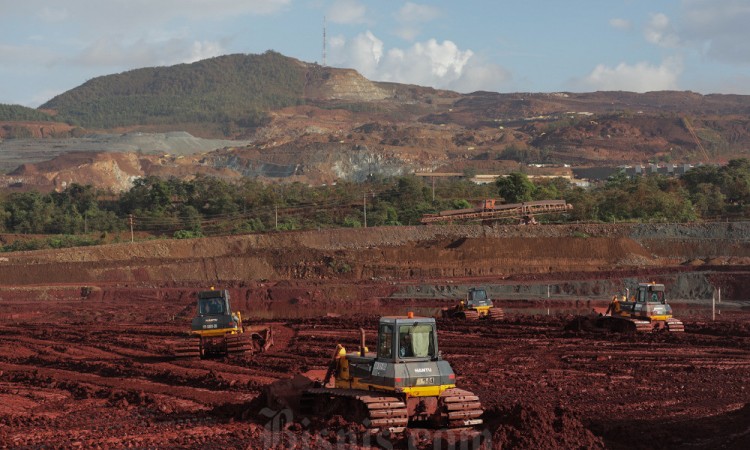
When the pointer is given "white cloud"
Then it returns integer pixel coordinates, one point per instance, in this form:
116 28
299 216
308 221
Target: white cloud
620 24
431 63
412 12
112 52
640 77
481 76
363 53
423 63
347 12
659 31
719 28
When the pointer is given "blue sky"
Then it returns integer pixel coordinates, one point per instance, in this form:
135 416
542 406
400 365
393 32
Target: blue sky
48 47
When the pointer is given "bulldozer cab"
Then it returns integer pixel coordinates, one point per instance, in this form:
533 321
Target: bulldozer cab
651 302
651 293
477 297
213 303
407 339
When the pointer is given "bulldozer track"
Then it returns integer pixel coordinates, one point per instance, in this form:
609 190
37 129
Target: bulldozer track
376 412
191 348
239 343
460 408
471 315
675 325
497 314
671 325
234 344
629 325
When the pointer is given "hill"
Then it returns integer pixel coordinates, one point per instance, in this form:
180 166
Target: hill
232 93
226 90
304 122
11 113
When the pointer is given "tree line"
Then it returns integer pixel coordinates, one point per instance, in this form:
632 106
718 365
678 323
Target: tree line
82 215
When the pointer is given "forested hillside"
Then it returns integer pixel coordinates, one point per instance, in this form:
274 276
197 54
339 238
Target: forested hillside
229 91
18 113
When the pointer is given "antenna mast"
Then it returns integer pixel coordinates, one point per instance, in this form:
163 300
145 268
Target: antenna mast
324 41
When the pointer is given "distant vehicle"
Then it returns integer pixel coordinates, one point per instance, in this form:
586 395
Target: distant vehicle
476 306
647 310
217 330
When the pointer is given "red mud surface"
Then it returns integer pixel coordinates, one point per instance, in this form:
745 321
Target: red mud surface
92 368
99 375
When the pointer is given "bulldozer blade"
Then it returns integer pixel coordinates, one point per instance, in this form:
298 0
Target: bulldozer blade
262 337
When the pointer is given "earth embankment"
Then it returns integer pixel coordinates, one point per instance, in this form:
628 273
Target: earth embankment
498 254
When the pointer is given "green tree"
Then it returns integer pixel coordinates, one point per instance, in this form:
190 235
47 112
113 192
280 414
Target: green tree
409 196
515 188
28 212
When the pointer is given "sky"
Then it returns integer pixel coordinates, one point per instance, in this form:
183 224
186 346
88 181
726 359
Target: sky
50 46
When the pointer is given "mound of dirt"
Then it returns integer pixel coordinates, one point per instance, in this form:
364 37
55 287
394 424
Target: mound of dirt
528 425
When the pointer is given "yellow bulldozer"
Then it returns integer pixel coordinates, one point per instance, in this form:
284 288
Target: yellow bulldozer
475 306
405 383
646 310
218 331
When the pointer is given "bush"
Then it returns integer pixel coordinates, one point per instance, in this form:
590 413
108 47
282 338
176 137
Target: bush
187 234
62 241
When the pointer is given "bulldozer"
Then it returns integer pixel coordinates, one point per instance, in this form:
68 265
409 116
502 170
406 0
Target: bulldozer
405 383
218 331
647 310
476 306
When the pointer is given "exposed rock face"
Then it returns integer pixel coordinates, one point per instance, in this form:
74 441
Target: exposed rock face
113 171
342 84
117 171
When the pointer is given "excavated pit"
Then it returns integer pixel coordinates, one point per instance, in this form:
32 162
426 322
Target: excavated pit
85 358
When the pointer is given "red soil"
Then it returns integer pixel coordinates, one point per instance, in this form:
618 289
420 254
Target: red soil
96 372
87 334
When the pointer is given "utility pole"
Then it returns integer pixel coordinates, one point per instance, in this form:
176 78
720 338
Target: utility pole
364 207
132 236
713 307
324 41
